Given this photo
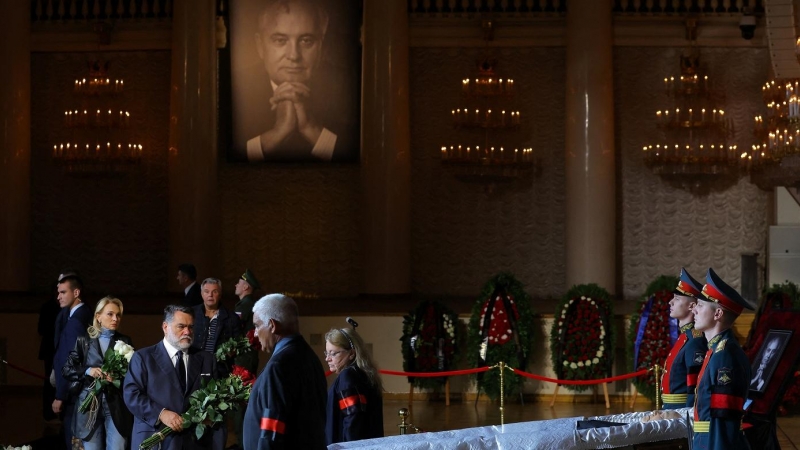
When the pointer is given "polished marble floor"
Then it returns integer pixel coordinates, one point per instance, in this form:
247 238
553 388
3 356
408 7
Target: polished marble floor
21 418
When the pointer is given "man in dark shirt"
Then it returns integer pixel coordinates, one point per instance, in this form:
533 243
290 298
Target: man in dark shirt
287 403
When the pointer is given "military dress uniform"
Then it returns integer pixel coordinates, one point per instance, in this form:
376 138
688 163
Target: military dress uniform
249 359
724 379
684 360
682 368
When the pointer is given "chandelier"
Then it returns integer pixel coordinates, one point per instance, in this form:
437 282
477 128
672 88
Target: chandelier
484 122
694 129
97 130
775 161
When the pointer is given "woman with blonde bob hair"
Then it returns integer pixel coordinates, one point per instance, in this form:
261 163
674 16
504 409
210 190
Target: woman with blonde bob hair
108 423
355 403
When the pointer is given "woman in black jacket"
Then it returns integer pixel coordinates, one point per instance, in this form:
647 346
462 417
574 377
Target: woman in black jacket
107 424
355 403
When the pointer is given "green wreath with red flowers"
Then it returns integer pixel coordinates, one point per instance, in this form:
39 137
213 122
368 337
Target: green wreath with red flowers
655 341
500 329
431 334
582 336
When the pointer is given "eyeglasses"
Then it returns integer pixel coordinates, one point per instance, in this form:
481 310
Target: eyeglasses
333 354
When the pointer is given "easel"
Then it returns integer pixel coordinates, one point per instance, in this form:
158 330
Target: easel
446 393
594 395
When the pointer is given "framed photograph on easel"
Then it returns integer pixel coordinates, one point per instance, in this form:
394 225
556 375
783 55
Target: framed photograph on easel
767 359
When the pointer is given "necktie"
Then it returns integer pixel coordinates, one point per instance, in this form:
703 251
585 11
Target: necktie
180 369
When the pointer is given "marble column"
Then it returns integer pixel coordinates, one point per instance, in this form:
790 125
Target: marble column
385 159
15 146
590 169
194 212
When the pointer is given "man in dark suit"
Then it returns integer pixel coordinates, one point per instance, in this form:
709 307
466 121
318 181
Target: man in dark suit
287 404
213 323
160 380
74 319
187 278
289 108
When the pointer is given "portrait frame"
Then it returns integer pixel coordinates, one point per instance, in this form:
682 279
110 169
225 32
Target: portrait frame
759 382
276 61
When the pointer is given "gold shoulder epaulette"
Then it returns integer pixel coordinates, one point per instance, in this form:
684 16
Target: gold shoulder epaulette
696 333
721 345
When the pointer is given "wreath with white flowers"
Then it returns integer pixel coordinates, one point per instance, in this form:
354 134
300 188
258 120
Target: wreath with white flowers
429 342
582 336
505 335
651 327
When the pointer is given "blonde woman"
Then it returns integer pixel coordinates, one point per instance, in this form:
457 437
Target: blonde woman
110 426
355 403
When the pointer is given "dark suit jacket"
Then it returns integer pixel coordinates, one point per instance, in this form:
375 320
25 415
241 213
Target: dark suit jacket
291 391
75 370
228 326
193 297
334 103
73 327
152 385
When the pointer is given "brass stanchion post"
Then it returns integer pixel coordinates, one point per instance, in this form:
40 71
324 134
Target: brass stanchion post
502 395
657 372
403 413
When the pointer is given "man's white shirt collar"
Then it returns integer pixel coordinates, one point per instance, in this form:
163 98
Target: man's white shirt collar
75 308
171 350
186 291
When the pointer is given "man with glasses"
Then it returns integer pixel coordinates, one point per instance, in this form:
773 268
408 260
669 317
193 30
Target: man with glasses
287 403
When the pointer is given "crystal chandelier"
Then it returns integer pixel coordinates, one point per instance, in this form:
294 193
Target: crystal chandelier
694 129
484 121
97 139
775 161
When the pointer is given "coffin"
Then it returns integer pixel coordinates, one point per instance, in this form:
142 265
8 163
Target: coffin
553 434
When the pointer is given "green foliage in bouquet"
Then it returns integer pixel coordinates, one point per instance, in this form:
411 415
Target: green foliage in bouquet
582 336
207 407
507 338
232 348
656 345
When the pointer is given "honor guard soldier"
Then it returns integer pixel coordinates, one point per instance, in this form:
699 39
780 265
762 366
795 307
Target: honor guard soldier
725 374
684 360
244 309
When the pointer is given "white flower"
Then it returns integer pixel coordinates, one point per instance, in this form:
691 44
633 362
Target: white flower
588 363
573 366
580 363
602 348
566 363
560 322
592 302
123 348
599 354
583 297
128 356
504 336
596 361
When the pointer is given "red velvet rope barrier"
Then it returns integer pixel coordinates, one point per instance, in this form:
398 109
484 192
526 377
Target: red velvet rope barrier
25 371
435 374
581 382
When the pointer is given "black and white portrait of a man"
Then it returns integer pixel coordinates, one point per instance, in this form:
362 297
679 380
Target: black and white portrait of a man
295 79
767 359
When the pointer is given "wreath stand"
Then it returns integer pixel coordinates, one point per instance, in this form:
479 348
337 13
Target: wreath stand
594 395
446 392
